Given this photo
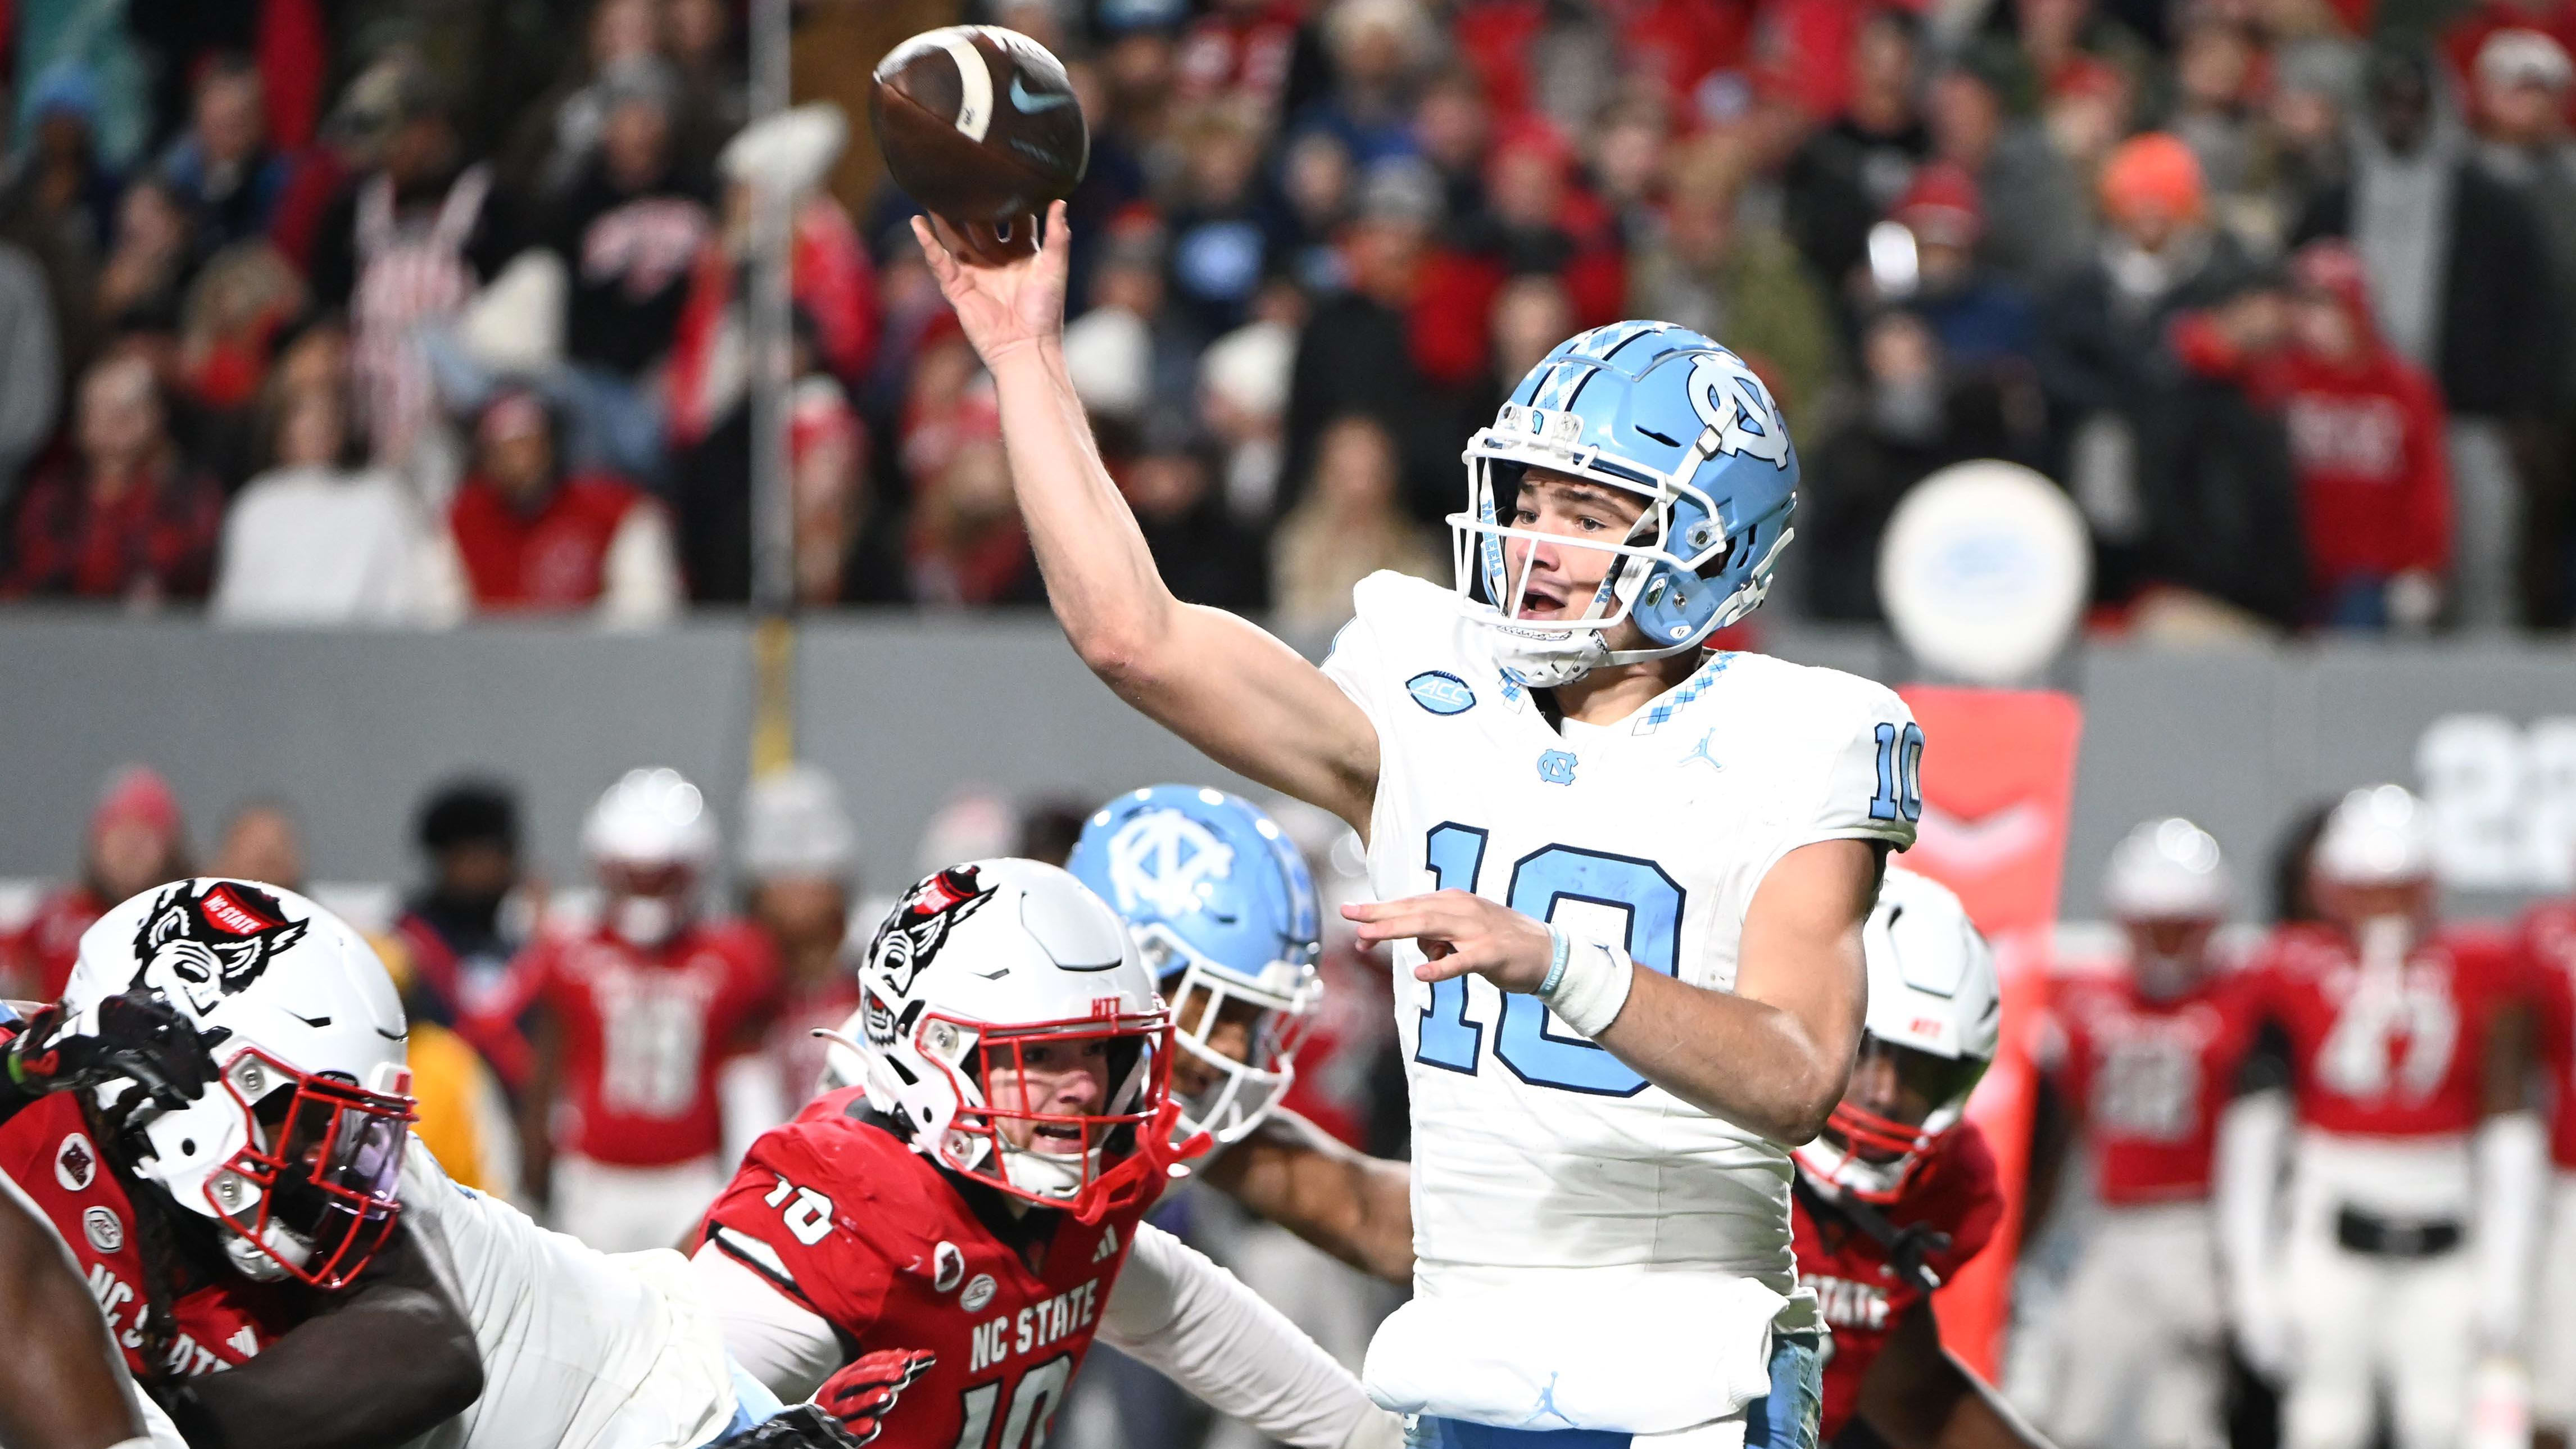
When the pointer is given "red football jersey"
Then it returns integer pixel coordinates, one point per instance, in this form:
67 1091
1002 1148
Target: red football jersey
644 1034
2549 952
2395 1056
1956 1191
48 1150
880 1244
2147 1079
42 954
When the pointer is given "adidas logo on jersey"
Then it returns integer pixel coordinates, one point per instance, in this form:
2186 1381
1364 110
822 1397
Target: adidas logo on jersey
1108 1246
244 1341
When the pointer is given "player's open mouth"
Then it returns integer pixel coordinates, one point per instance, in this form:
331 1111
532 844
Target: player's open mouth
1541 602
1057 1137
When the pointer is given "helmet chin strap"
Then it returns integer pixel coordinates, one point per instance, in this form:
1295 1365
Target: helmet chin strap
1047 1174
261 1267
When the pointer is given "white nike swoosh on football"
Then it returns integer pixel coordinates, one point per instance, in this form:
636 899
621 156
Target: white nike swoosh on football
1022 100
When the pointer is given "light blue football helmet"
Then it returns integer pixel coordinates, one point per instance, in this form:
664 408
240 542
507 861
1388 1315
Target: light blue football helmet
1659 411
1223 911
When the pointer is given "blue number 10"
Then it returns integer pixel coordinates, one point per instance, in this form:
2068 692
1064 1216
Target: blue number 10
1900 773
1541 881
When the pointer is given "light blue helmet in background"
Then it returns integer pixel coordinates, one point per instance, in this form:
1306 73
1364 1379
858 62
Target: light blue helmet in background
1223 911
1659 411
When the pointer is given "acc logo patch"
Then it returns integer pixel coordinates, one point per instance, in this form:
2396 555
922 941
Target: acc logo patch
978 1293
104 1232
75 1163
1556 767
1441 692
947 1267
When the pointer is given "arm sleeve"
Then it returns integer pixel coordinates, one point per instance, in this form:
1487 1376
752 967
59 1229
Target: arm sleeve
777 1340
1865 781
1357 659
1200 1327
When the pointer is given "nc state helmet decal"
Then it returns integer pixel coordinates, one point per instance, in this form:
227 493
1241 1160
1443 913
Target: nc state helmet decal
912 936
199 949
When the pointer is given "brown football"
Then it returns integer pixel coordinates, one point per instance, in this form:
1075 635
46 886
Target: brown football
981 126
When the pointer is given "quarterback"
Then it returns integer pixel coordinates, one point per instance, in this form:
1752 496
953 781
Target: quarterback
1624 876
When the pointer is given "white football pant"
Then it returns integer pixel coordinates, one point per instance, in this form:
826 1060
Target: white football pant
2144 1362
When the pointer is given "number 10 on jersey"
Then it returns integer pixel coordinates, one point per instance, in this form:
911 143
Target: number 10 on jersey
1541 881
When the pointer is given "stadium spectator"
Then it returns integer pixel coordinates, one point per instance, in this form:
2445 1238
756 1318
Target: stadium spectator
135 841
242 300
2213 114
321 538
458 933
560 130
2038 227
1377 47
1356 355
800 884
2523 89
222 168
1351 524
1243 391
532 536
1453 129
1245 51
407 244
1220 244
1135 351
2182 482
140 282
261 842
1538 220
127 517
57 182
30 359
630 229
1862 470
2460 287
964 544
1168 477
1849 173
1531 315
1980 317
2365 433
1717 272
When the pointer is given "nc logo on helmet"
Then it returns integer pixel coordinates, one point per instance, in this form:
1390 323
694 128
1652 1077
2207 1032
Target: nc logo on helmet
919 926
1162 859
1738 409
199 949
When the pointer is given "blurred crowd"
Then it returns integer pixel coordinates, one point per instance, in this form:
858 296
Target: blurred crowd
398 313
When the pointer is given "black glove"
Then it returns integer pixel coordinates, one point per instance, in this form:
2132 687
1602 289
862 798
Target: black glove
140 1037
802 1427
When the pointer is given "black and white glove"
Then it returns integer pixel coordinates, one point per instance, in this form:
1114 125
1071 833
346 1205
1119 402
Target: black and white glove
139 1037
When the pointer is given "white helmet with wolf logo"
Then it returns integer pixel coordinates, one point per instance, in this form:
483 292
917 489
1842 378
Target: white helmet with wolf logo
297 1145
980 960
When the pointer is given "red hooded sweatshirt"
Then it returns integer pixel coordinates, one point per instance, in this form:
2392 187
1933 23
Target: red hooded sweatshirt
2365 434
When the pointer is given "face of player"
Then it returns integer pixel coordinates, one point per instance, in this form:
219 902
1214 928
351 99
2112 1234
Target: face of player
1901 1085
1229 1036
2357 907
1563 576
1055 1078
647 904
809 916
2168 955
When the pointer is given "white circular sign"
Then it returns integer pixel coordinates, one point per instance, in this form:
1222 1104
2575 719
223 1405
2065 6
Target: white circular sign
1984 570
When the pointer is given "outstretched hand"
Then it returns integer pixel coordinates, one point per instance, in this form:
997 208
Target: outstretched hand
1460 932
1006 301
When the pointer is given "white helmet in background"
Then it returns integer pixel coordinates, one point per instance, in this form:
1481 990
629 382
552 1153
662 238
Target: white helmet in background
651 838
979 963
2378 835
2168 870
793 824
1935 1014
296 1148
2168 887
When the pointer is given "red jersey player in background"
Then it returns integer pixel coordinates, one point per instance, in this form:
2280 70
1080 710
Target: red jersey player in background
2413 1174
634 1021
136 842
929 1256
2365 431
2140 1063
800 879
1899 1189
2549 952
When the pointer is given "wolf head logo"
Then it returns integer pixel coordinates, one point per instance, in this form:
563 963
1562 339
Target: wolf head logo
913 934
201 948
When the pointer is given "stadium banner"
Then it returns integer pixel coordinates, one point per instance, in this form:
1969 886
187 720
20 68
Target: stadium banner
1998 791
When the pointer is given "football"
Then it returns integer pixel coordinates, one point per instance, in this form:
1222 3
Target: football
981 126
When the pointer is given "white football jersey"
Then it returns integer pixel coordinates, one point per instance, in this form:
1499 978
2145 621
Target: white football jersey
1592 1251
580 1348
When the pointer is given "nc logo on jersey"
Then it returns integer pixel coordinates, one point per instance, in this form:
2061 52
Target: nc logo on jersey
104 1232
75 1163
1556 767
1166 860
203 948
1441 692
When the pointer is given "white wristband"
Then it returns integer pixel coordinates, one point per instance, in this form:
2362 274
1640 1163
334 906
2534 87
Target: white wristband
1594 987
